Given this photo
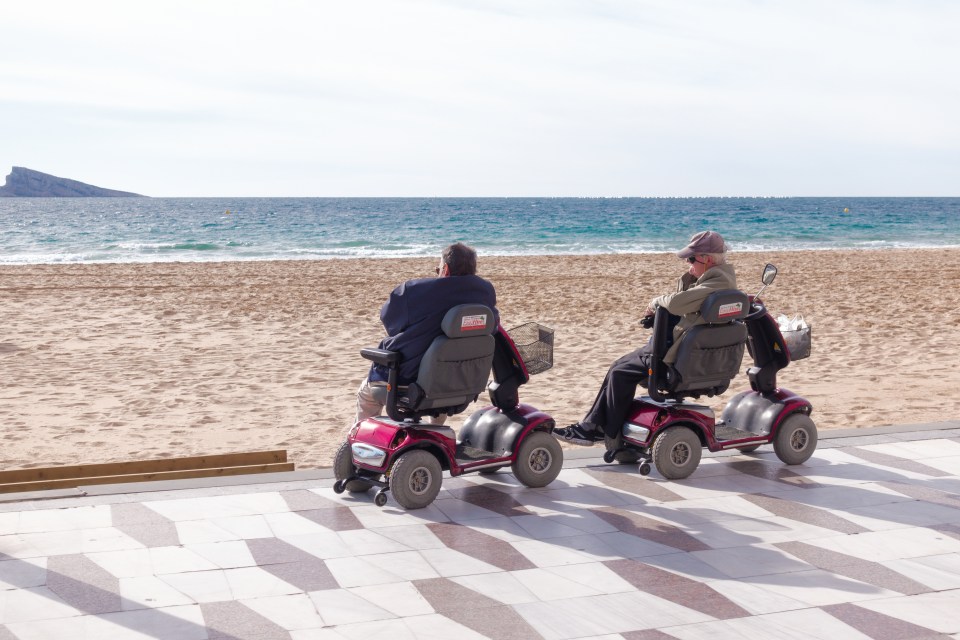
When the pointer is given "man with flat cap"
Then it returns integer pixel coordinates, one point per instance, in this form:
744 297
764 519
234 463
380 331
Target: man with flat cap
708 272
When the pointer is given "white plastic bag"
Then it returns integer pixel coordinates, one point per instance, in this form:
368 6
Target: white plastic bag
796 333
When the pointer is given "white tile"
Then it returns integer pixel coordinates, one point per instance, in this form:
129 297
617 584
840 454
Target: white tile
254 582
47 520
552 586
501 528
292 612
448 563
245 527
37 603
436 627
407 565
149 592
201 531
373 517
924 450
595 575
326 545
755 597
937 611
201 586
940 573
882 546
285 525
362 542
807 624
359 572
73 541
23 574
169 623
545 554
125 564
225 555
341 607
460 511
401 599
818 588
318 634
177 560
412 537
753 560
502 587
16 546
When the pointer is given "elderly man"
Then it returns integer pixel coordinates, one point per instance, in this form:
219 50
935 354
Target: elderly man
413 314
707 272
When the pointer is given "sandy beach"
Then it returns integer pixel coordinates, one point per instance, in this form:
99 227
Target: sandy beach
111 362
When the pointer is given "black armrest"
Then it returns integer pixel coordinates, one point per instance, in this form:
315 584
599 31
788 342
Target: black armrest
381 356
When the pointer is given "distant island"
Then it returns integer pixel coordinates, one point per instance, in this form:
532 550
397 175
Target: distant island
27 183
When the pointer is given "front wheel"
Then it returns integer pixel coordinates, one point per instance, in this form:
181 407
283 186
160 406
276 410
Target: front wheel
796 439
415 479
343 469
539 460
676 453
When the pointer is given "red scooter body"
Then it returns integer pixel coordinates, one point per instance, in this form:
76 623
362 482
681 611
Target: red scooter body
670 432
408 457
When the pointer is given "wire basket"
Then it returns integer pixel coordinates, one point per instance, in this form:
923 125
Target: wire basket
535 345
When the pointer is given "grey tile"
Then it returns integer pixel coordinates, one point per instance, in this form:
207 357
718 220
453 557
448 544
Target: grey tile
337 518
144 525
304 500
879 626
474 610
773 470
678 589
896 462
633 482
234 621
804 513
489 498
856 568
481 546
292 565
83 584
6 634
635 524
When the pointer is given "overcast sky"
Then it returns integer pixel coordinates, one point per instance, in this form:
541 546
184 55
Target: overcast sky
485 98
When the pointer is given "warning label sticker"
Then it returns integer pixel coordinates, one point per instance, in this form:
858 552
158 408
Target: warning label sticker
472 323
731 309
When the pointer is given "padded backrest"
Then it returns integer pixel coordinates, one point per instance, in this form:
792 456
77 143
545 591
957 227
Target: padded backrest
456 366
709 355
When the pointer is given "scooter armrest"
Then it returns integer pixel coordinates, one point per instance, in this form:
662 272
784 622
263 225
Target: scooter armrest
381 356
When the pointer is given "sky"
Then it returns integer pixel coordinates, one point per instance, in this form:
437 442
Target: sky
547 98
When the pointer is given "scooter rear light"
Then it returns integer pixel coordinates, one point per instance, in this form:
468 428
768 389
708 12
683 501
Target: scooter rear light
370 456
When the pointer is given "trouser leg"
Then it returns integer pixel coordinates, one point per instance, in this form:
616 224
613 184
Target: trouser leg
612 404
368 406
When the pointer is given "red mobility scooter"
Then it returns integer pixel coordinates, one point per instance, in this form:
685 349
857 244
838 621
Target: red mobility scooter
400 454
667 430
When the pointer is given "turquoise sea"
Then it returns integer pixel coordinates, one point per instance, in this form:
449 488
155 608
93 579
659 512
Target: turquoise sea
82 230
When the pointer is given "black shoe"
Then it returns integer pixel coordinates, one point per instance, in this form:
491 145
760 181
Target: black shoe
584 435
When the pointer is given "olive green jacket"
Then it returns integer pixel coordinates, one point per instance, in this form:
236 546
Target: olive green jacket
689 296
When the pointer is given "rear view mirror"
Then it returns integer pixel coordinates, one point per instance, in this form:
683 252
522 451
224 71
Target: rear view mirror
769 274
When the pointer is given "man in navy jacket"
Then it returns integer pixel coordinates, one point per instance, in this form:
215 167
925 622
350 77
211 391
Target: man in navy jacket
412 317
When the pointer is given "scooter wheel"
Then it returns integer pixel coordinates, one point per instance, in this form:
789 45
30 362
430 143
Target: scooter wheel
339 486
749 449
644 469
380 499
796 439
343 468
676 453
609 456
489 470
539 460
618 453
415 479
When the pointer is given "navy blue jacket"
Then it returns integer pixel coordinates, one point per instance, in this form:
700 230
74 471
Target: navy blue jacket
414 311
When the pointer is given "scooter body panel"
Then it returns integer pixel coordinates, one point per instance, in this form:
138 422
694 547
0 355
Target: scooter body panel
648 418
760 414
376 442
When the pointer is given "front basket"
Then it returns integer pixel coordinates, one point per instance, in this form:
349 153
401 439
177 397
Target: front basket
535 344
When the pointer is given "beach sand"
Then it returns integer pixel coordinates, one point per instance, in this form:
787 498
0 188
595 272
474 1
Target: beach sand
107 363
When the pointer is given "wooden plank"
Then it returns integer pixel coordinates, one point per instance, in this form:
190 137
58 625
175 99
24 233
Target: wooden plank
143 466
60 483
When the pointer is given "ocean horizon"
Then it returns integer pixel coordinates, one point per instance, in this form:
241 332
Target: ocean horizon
109 230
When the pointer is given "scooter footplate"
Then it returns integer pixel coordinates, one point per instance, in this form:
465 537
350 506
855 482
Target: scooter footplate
471 454
725 434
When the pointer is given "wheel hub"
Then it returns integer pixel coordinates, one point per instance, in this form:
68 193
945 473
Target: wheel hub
539 460
420 480
680 454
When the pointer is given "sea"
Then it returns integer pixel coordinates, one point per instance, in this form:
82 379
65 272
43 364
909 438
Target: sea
118 230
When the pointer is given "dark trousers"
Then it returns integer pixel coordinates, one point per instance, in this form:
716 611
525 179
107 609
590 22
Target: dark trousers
610 409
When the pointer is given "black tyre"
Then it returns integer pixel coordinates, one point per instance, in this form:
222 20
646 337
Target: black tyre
796 439
343 468
539 460
415 479
748 449
627 456
676 453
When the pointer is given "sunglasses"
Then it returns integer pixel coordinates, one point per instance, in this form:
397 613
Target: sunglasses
692 259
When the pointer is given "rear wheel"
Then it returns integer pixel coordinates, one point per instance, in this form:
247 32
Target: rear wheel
676 453
343 468
415 479
539 460
796 439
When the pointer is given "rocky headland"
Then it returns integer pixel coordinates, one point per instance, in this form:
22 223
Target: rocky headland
27 183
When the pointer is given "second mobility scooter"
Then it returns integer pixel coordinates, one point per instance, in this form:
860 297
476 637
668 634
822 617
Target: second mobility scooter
669 431
400 454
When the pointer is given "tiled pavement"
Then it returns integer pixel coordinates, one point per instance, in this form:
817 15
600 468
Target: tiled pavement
863 541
